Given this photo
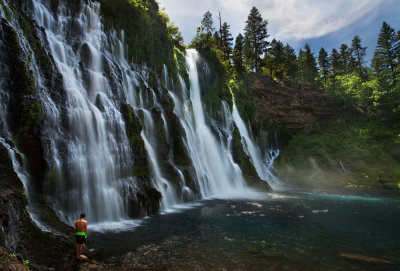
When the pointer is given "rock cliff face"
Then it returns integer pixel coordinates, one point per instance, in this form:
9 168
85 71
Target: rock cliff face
295 108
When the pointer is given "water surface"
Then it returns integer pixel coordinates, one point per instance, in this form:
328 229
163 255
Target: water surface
285 231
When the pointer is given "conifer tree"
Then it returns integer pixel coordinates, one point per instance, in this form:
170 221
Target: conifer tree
334 63
226 41
344 59
255 38
217 40
307 67
290 62
386 57
204 34
323 62
311 74
274 59
207 23
300 76
358 53
238 54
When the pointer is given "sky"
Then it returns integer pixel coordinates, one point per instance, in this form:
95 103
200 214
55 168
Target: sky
320 23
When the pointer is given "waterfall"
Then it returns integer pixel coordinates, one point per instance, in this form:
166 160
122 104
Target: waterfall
87 151
95 148
217 175
262 163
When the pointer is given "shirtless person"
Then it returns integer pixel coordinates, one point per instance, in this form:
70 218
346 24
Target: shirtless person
81 234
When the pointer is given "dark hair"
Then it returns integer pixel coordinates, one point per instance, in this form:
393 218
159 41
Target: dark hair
83 215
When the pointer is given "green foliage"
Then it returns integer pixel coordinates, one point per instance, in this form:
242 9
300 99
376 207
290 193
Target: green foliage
215 91
226 41
133 128
275 57
7 11
255 34
323 63
386 57
26 264
149 39
353 92
358 53
345 60
179 58
365 148
238 55
335 64
307 68
207 23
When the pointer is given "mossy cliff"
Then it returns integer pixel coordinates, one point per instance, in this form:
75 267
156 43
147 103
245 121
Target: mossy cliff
149 197
243 160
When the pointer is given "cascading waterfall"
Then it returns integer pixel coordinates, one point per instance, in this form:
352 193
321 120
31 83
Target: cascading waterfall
97 151
216 173
86 147
262 163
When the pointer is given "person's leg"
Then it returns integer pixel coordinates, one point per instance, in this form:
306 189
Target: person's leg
80 250
78 254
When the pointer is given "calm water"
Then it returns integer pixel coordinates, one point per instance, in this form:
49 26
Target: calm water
283 231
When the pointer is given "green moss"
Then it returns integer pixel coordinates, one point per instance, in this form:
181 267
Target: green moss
180 64
141 171
189 180
243 160
150 198
153 82
367 151
145 29
133 132
7 11
180 155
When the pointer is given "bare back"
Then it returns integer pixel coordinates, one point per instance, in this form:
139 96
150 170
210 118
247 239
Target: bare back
81 226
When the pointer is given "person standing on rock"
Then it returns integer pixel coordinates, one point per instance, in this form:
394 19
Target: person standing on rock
81 234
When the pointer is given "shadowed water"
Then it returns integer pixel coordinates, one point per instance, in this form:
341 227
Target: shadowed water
284 231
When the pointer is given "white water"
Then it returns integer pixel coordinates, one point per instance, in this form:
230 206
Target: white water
262 163
96 149
83 131
216 173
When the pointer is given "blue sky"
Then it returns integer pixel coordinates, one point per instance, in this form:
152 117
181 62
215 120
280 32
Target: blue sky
320 23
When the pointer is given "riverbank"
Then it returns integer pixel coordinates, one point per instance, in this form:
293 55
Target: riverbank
351 153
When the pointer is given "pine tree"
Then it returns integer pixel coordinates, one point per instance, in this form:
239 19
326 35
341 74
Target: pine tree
358 53
207 23
300 67
238 54
386 57
290 62
217 40
344 59
311 66
323 62
255 38
274 59
335 63
308 71
226 41
204 34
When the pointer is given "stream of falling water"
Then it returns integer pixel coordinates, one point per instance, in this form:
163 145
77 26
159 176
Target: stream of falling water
85 144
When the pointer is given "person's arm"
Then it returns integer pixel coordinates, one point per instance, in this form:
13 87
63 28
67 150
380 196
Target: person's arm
85 229
76 226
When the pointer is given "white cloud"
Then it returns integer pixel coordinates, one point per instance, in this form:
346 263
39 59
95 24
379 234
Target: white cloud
289 20
305 19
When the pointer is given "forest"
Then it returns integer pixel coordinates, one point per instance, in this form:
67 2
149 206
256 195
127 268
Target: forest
366 94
